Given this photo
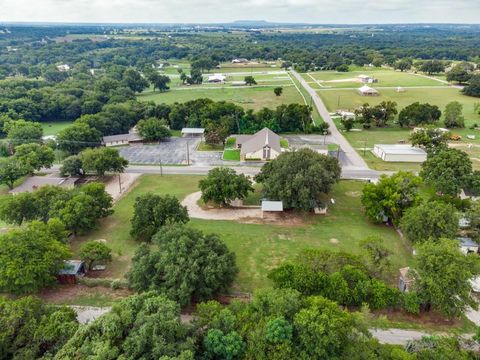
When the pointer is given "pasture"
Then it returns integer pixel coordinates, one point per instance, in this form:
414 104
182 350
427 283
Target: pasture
249 97
386 78
258 247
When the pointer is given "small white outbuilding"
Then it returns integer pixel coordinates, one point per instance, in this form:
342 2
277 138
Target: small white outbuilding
399 153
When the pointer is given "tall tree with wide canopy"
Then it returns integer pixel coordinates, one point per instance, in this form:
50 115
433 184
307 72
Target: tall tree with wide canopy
31 257
430 220
184 265
442 277
447 170
223 185
145 326
102 160
299 178
32 329
151 212
23 132
34 156
391 196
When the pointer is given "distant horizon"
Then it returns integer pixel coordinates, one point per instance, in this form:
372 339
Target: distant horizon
312 12
233 22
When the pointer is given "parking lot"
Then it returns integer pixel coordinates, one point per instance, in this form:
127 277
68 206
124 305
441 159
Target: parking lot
171 152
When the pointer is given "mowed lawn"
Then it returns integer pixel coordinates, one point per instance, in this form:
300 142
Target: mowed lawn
350 99
258 247
254 98
386 78
54 127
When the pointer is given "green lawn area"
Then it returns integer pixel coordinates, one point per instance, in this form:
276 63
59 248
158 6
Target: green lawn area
53 127
203 146
350 99
284 143
307 99
248 97
258 247
231 154
386 78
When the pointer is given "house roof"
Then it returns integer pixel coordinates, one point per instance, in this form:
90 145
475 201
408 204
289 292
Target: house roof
193 130
132 136
400 149
367 89
216 77
34 182
272 205
467 242
71 267
264 137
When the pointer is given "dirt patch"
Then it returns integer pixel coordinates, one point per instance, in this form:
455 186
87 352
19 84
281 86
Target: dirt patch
334 241
354 194
431 318
244 214
127 180
68 294
343 80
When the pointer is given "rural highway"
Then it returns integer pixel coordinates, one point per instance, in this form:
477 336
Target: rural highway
353 158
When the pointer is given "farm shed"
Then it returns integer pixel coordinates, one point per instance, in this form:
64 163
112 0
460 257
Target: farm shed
467 245
368 91
271 207
70 271
216 78
366 79
123 139
399 153
193 132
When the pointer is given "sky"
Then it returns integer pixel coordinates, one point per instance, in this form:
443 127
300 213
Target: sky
215 11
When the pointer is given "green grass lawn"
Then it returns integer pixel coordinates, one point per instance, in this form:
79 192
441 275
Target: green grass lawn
350 99
203 146
386 78
232 155
394 135
258 247
53 127
248 97
307 99
284 143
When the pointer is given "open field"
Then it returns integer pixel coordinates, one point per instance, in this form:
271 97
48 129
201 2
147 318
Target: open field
350 99
386 78
259 247
248 97
53 127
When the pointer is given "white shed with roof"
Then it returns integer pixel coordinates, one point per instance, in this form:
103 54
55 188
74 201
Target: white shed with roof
399 153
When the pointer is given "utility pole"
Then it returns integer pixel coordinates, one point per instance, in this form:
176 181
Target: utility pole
364 146
161 168
119 183
188 154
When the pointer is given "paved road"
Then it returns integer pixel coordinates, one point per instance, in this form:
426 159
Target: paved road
348 173
86 314
354 159
396 336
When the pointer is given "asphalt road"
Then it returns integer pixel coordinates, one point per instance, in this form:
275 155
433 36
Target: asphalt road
348 173
353 158
86 314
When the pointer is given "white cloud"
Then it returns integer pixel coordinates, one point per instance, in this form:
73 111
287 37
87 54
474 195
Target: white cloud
311 11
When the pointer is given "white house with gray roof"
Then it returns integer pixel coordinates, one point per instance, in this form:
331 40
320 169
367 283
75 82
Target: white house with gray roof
263 145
